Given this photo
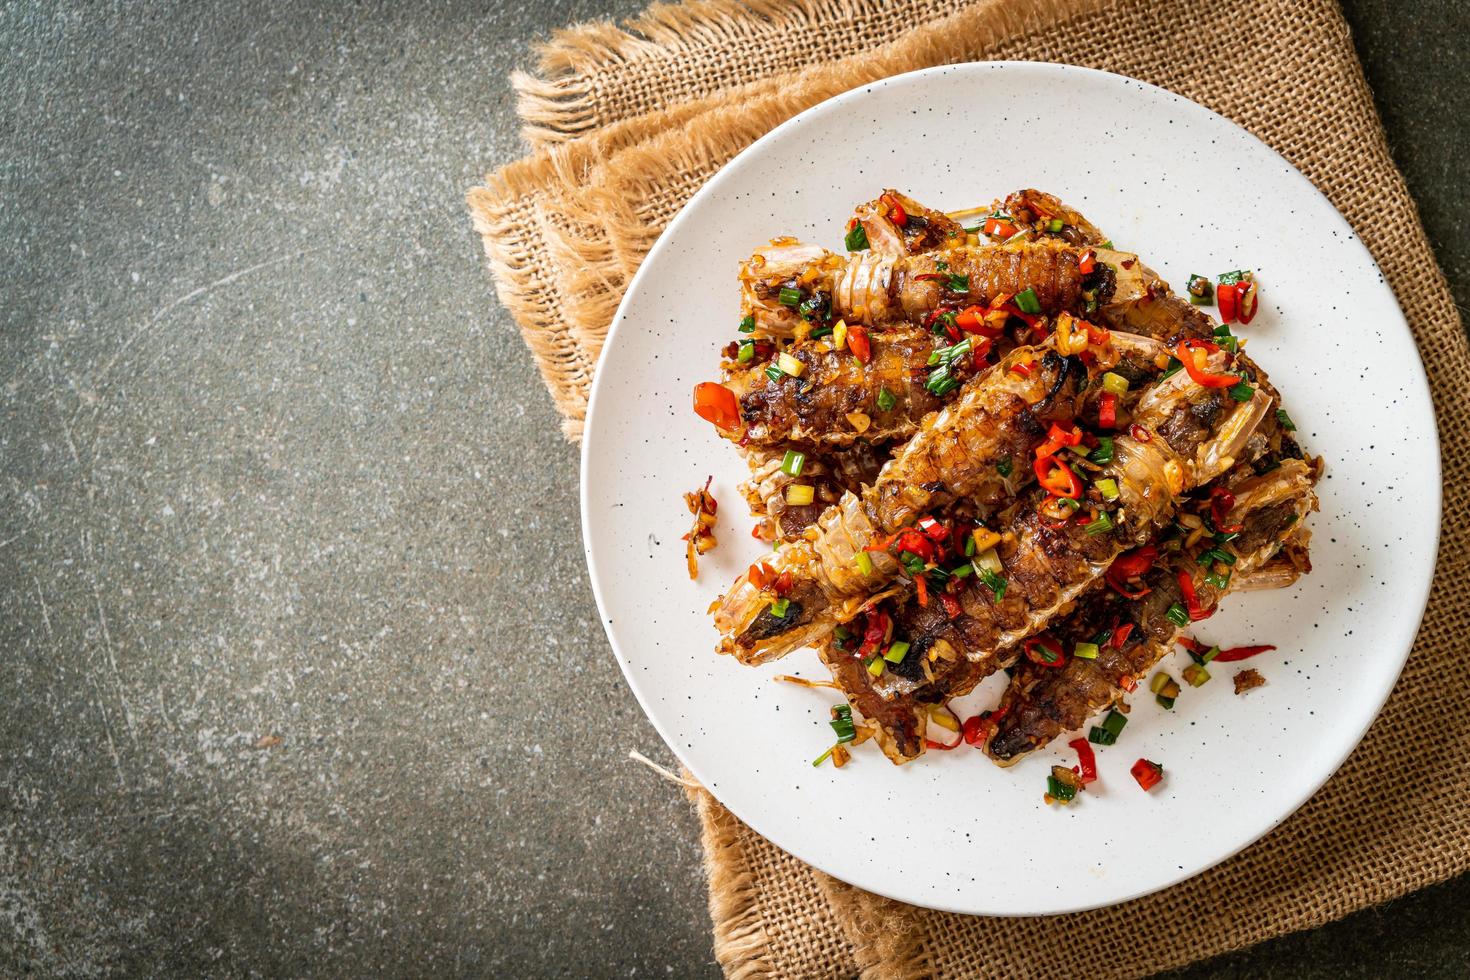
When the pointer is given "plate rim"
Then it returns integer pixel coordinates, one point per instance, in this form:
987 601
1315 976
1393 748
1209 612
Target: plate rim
1042 69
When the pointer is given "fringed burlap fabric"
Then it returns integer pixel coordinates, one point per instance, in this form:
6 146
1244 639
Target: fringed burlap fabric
628 123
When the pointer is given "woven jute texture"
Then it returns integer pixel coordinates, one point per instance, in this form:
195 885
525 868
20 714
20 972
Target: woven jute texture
628 123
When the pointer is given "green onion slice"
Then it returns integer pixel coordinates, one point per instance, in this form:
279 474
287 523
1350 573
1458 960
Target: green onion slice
857 239
1027 302
747 324
1177 615
789 296
793 463
886 401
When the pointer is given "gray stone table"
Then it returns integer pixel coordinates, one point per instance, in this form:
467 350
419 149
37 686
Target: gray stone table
299 669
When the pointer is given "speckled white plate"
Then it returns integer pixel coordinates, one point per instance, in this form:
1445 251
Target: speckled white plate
1191 192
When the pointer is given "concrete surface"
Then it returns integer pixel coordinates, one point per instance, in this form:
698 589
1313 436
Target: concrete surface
299 670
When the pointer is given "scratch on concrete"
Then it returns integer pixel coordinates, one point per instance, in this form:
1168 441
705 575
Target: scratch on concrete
172 305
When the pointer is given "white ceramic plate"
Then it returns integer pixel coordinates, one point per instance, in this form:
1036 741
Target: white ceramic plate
1191 192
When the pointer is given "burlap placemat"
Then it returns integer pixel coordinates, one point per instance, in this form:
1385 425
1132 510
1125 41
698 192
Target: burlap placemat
629 123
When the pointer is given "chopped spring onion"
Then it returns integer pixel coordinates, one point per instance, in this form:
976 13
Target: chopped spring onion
747 324
911 562
941 382
1054 225
886 401
993 582
1115 383
816 763
746 352
1217 554
812 306
793 462
774 373
1108 489
856 239
1218 580
800 494
779 607
842 633
1027 302
958 283
1196 675
1177 615
820 332
864 563
875 666
1086 651
1285 420
842 723
988 560
1104 451
948 355
789 296
1004 467
1242 392
790 365
897 650
1102 524
963 571
1174 367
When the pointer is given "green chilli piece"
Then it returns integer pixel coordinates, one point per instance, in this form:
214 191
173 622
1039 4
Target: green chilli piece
1206 657
1026 301
1201 290
1059 790
1101 736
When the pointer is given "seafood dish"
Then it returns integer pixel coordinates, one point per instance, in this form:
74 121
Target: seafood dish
993 440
